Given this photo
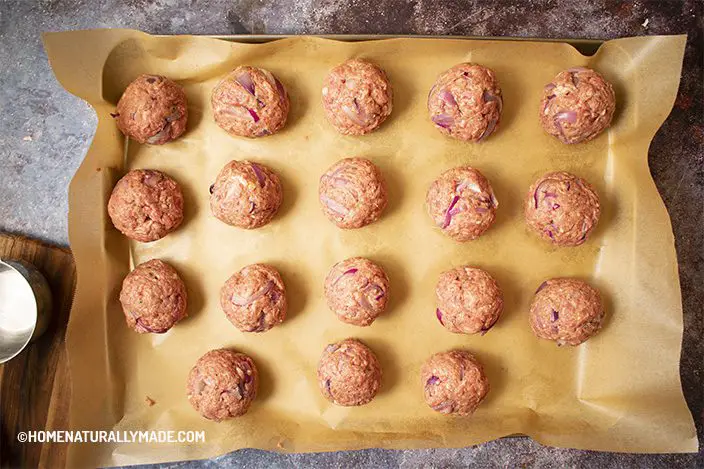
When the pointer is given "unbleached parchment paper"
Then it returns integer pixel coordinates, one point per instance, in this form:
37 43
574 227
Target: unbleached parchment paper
620 391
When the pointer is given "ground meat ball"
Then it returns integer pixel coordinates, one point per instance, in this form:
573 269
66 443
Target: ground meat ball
250 102
352 193
254 299
462 203
349 373
222 384
454 382
153 297
356 290
357 97
577 106
146 205
245 194
562 208
153 109
567 311
469 300
465 102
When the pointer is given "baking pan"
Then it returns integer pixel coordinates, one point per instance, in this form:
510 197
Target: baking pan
582 416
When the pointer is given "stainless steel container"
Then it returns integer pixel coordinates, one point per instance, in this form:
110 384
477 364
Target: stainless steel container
25 306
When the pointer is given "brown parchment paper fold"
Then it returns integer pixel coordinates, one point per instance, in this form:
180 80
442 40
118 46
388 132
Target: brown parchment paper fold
619 391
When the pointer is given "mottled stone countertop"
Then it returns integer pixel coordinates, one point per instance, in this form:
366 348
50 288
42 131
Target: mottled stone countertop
45 132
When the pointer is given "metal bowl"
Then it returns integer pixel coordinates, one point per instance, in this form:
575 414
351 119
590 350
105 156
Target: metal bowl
25 306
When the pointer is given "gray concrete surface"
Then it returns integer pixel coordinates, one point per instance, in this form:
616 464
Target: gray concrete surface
45 132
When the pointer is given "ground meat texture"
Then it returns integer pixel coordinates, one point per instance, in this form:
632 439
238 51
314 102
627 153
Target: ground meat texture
254 299
146 205
153 297
357 97
246 194
349 373
469 300
356 290
352 193
567 311
454 382
153 109
577 106
562 208
250 102
222 384
465 102
462 203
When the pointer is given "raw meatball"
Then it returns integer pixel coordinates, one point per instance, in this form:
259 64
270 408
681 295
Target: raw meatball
454 382
352 193
577 106
153 297
250 102
562 208
245 194
567 311
469 300
357 291
349 373
153 109
357 97
146 205
222 384
254 299
465 102
462 203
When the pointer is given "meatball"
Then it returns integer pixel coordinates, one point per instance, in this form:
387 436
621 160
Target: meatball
222 384
469 300
357 97
246 194
465 102
352 193
254 299
153 109
349 373
250 102
153 297
577 106
356 290
462 203
146 205
454 382
567 311
562 208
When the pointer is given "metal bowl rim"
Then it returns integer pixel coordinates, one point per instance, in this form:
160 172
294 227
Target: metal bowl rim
35 309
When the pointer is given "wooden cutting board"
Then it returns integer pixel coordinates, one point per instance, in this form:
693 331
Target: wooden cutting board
34 386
